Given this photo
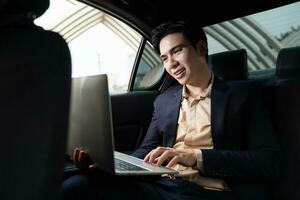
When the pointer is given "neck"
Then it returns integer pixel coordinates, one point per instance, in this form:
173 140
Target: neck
197 88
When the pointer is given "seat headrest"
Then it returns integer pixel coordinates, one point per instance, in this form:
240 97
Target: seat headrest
288 63
230 65
33 7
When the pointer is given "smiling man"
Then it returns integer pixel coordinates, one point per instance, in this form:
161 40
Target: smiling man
217 135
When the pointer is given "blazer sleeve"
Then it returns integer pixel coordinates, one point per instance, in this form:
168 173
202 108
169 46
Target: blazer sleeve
261 155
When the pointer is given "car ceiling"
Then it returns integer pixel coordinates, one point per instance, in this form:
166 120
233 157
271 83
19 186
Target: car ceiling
145 14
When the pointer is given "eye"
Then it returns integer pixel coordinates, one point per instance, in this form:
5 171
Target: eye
164 59
177 50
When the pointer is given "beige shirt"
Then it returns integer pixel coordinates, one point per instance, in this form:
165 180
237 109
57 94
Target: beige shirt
194 132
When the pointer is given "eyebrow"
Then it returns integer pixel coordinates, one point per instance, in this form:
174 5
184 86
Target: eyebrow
172 49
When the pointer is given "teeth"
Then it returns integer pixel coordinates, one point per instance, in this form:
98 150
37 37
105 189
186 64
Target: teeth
179 72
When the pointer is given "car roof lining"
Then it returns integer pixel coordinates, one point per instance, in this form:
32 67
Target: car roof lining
143 15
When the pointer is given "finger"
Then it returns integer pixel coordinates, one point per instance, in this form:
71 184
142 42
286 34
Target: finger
149 155
76 156
146 159
83 165
156 153
73 156
164 158
80 159
173 161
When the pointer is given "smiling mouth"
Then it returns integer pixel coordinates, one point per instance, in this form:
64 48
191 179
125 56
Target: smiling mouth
179 73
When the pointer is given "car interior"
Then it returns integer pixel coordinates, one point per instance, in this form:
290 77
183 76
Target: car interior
37 67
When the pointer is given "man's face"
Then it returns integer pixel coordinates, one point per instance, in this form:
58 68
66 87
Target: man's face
181 60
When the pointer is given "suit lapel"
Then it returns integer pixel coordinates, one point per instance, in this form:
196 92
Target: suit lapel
219 100
172 117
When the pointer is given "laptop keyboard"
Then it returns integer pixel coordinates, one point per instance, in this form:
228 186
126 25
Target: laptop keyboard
125 166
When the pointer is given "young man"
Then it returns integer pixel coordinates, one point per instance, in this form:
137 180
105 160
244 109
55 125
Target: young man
218 136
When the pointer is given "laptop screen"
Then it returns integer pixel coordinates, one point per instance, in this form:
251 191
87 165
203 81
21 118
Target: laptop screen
90 123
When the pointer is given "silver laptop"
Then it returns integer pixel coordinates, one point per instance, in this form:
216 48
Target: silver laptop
91 128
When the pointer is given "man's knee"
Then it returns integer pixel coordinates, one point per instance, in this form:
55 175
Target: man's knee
77 187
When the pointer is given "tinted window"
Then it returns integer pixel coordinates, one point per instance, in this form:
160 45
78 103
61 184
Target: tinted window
262 35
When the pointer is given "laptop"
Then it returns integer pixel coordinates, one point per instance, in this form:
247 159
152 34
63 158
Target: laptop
90 128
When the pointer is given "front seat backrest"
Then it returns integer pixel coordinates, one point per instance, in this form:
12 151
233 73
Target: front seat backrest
287 118
35 70
230 65
287 65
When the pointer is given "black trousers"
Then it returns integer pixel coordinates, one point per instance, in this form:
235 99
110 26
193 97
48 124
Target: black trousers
103 186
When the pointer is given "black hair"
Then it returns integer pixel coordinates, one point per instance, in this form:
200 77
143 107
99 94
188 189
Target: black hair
190 30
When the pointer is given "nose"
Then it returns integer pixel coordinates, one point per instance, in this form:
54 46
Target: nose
172 63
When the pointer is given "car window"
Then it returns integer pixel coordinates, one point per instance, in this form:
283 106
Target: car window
150 69
98 42
262 35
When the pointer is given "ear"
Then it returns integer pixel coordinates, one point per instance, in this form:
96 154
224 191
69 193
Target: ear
201 47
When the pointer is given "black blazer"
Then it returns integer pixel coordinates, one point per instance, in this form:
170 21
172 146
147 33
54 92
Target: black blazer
246 152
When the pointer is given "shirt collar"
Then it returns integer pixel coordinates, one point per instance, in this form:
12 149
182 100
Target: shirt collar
206 91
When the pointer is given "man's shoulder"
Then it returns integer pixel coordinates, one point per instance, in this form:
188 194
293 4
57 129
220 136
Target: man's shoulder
172 92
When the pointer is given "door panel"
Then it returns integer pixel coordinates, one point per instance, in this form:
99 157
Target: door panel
132 113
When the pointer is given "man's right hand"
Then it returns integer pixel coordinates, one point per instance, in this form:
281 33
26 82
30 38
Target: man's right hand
82 160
